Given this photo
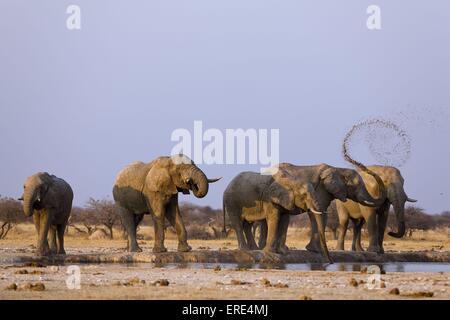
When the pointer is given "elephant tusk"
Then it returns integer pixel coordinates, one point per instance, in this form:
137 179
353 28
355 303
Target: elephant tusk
411 200
370 204
214 180
316 212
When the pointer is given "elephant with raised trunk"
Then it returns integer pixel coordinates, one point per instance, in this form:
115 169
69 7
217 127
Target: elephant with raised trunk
49 200
252 197
395 196
152 188
329 183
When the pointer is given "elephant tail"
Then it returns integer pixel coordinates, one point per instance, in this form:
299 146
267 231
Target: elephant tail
224 230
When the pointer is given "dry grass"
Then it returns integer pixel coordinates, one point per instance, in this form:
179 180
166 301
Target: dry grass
202 238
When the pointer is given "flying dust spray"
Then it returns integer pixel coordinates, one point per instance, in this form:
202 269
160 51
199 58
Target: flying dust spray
387 143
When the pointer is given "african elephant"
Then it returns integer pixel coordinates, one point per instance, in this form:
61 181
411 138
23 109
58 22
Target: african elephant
254 197
152 188
49 200
330 183
396 197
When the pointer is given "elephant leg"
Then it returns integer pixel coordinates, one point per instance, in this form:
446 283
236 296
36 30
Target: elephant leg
61 229
52 239
314 243
382 222
128 221
273 219
342 230
357 226
262 234
44 225
283 226
159 211
37 221
249 236
175 220
373 233
321 231
238 227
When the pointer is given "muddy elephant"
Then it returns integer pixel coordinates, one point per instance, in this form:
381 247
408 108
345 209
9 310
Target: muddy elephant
395 196
49 200
330 183
252 197
152 188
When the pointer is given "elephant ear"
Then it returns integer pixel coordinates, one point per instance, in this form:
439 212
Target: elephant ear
281 196
334 183
159 180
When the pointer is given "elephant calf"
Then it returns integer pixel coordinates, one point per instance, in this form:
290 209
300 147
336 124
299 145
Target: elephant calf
49 200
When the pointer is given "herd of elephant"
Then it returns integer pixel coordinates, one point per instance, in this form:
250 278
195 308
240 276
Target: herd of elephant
363 195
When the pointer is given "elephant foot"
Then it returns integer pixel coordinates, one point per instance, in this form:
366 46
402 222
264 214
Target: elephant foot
160 249
62 252
375 249
254 247
313 247
243 247
184 247
135 248
271 257
357 249
283 249
42 253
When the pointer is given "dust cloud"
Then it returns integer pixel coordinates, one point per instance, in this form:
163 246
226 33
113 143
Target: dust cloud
388 144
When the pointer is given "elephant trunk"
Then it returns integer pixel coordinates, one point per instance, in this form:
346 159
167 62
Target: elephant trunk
199 182
29 198
399 210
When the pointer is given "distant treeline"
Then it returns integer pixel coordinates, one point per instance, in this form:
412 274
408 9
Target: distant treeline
201 222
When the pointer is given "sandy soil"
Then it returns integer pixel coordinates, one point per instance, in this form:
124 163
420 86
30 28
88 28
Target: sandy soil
117 281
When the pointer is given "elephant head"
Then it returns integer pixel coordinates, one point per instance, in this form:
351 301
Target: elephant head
175 174
356 189
333 183
397 197
34 192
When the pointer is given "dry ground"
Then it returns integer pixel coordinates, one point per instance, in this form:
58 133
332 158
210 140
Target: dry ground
115 281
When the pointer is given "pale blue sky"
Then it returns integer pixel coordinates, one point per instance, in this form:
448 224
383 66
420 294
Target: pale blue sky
82 104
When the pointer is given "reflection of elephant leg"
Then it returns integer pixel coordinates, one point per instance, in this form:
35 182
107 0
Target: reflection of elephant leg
382 221
343 225
174 217
44 225
52 239
128 221
249 236
60 229
262 234
373 233
273 219
356 244
282 233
